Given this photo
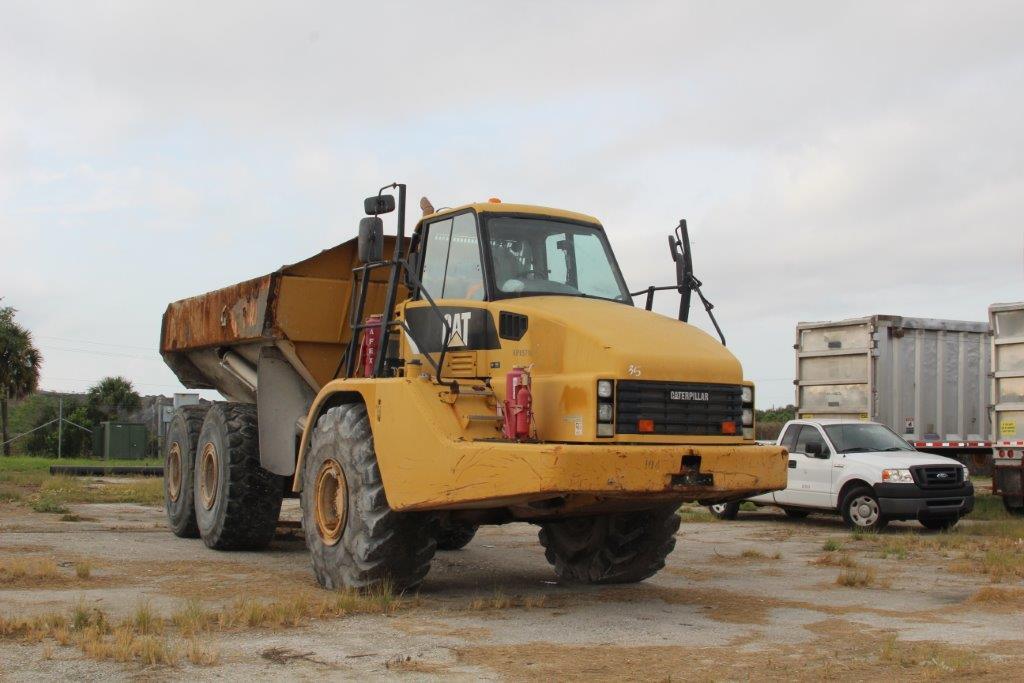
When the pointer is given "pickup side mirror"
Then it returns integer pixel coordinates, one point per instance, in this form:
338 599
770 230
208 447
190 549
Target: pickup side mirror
815 449
371 239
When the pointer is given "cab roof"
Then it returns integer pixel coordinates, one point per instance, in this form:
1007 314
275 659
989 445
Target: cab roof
502 207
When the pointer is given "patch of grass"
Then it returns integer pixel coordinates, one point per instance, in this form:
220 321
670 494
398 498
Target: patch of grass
200 654
935 658
32 629
747 506
123 645
21 570
9 494
896 547
83 569
1011 599
146 491
831 545
145 621
48 503
988 508
998 564
856 577
835 560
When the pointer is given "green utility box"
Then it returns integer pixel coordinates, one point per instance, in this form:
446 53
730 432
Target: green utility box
120 440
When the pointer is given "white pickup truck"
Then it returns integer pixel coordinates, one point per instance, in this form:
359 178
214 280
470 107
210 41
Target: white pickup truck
868 474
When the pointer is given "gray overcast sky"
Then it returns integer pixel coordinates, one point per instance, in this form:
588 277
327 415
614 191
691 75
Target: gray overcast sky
833 159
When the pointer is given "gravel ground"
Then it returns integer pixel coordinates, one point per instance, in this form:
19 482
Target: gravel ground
738 600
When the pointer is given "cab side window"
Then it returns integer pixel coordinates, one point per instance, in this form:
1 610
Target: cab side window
810 435
451 259
789 439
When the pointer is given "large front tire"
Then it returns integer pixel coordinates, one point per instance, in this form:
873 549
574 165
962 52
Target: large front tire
179 462
355 539
237 502
617 548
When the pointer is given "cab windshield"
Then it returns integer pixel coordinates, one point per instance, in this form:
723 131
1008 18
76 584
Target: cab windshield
864 438
531 256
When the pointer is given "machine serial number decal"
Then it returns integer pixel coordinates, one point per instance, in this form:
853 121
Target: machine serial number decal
688 395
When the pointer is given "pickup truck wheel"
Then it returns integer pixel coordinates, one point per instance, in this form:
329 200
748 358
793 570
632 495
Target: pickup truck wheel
237 502
355 539
455 536
725 511
860 510
179 461
796 513
939 523
617 548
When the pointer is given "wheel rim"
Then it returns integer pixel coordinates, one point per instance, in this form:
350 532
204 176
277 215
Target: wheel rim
208 475
718 508
331 501
174 471
864 511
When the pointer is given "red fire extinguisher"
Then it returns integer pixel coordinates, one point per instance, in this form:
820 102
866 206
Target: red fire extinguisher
518 405
369 344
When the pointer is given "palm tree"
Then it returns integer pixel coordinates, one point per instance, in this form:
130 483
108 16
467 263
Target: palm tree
20 362
111 398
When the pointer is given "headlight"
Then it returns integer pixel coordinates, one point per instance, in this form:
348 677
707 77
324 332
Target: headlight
604 388
897 476
604 412
748 417
967 474
747 394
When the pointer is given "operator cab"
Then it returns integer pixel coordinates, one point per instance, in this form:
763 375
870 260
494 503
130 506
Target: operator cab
493 251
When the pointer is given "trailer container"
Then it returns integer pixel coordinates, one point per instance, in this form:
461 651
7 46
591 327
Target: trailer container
1007 321
927 379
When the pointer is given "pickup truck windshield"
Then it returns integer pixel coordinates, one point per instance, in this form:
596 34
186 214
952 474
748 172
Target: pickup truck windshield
863 438
531 256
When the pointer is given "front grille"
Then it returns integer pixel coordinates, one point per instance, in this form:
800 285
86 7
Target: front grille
938 476
677 408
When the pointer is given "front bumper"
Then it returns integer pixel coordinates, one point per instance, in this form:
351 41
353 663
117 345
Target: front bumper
493 474
910 501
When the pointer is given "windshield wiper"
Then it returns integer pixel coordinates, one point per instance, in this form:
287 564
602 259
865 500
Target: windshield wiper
855 449
896 448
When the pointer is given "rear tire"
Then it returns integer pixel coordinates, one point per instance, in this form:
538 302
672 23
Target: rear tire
726 511
861 510
179 462
939 523
1012 509
617 548
455 535
237 502
355 539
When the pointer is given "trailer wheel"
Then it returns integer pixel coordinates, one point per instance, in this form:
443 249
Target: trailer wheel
179 461
355 539
455 535
618 548
1012 509
237 502
861 510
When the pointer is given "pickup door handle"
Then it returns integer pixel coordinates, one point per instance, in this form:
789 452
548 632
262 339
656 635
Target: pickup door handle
792 464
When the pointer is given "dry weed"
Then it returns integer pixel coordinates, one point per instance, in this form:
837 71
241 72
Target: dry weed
858 577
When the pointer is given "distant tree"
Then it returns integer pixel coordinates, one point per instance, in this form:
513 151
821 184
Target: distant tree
76 442
20 363
110 398
777 414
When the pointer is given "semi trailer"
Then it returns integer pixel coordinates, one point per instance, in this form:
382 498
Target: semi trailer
491 367
1007 322
926 379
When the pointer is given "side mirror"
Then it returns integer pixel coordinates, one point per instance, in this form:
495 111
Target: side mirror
371 239
378 204
815 449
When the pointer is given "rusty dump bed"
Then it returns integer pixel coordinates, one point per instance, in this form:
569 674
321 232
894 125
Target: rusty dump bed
213 341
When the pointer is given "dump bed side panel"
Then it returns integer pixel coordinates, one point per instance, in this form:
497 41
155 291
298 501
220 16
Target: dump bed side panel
924 378
1007 322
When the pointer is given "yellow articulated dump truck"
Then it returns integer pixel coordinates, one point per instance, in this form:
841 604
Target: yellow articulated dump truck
489 368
